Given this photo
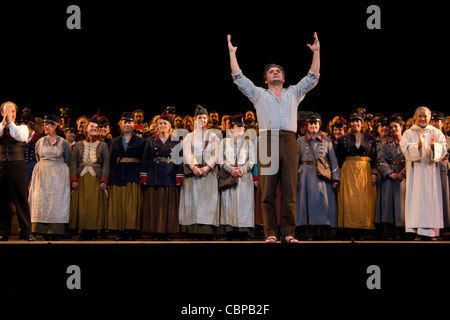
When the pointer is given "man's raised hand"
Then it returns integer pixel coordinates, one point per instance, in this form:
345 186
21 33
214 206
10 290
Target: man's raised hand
316 45
233 60
230 46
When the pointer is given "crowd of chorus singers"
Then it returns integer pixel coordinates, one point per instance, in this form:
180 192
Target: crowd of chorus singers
129 185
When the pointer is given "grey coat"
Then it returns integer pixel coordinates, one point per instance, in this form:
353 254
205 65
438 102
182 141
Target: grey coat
391 193
444 168
316 199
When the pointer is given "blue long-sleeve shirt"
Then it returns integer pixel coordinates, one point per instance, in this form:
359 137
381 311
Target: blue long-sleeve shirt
271 113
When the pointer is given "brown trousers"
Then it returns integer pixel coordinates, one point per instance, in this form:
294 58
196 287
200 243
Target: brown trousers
288 153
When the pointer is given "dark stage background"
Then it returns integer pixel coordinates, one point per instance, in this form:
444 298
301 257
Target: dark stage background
149 55
132 54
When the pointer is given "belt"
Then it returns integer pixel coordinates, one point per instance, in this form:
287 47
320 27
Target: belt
134 160
160 159
445 159
397 162
308 163
358 158
90 164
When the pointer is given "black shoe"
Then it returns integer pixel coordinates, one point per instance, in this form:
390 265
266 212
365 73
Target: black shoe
4 237
30 237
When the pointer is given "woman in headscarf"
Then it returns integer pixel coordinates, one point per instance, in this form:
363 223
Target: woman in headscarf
199 196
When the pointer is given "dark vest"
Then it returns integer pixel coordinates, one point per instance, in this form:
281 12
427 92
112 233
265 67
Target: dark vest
30 149
11 149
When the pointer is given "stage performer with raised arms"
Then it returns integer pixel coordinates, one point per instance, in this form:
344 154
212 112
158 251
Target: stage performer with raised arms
276 110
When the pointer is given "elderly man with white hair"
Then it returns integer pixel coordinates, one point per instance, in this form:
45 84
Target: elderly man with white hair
423 146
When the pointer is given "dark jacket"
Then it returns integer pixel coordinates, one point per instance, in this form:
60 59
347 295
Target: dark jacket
346 147
30 148
123 172
157 167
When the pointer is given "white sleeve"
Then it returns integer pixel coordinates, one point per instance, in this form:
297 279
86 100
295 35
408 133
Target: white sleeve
188 157
440 147
409 147
19 133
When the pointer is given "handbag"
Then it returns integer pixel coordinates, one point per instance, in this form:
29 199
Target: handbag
322 166
226 180
187 169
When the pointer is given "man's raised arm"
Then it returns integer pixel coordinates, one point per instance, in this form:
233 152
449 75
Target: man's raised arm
233 60
315 48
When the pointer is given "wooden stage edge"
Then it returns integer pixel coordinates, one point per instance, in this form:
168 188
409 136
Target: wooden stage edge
219 242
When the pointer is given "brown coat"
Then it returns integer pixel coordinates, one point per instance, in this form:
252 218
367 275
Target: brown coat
100 165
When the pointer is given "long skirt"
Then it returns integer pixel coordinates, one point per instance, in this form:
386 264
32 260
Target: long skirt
357 196
48 228
391 202
199 203
125 207
88 205
444 169
49 193
160 210
237 204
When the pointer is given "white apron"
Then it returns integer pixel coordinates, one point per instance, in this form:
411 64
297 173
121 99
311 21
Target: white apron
49 195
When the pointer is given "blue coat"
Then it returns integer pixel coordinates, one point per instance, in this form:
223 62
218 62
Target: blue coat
316 199
123 172
157 168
